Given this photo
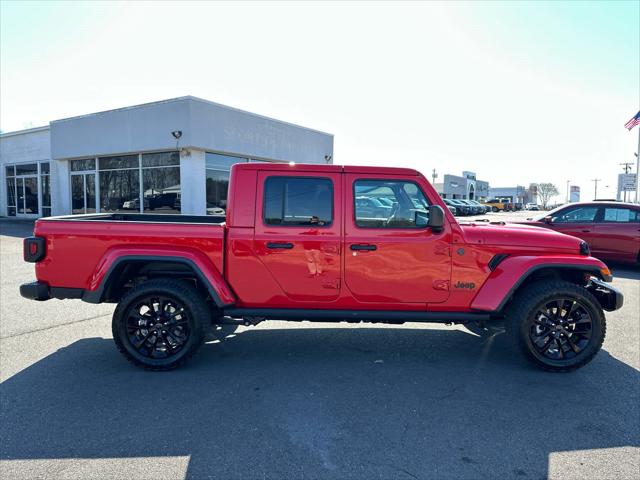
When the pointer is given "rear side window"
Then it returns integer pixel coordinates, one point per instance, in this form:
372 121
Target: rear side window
388 203
298 201
621 215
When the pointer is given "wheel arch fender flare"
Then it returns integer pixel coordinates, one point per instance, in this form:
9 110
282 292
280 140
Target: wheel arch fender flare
201 266
512 272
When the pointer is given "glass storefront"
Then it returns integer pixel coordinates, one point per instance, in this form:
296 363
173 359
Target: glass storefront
148 182
28 189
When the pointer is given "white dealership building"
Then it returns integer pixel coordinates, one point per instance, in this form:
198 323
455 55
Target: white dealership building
171 157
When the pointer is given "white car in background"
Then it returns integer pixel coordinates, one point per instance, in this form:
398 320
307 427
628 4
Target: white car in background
531 206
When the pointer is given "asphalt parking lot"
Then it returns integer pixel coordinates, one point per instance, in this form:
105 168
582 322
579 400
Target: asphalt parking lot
288 400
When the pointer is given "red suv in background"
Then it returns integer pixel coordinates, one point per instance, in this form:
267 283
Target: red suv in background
612 229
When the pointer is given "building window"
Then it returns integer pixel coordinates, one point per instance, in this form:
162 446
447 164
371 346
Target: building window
83 165
119 183
161 182
217 178
148 182
11 191
45 183
295 201
28 189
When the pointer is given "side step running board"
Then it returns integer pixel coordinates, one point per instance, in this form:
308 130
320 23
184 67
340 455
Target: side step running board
382 316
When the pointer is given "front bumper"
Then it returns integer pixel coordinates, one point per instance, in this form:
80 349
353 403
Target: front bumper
609 297
35 291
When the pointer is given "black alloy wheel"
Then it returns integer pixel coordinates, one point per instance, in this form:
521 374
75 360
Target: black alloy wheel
157 326
558 325
160 323
561 329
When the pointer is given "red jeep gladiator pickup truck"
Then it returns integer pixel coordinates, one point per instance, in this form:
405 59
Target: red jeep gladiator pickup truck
324 243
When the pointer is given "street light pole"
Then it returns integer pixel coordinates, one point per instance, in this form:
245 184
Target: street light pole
568 199
595 193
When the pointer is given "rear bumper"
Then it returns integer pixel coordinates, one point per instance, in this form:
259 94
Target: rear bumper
35 291
40 292
609 297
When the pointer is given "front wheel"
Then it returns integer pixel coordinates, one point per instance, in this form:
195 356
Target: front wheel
557 325
160 324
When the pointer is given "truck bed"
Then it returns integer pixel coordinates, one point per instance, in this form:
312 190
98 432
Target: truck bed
79 247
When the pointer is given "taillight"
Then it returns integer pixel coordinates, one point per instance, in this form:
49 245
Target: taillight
33 249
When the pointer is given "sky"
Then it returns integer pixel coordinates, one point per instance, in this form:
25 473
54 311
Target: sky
517 92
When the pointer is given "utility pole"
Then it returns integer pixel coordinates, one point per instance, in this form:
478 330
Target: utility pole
568 199
626 166
595 181
434 175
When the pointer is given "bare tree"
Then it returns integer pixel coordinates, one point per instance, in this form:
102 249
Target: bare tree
546 191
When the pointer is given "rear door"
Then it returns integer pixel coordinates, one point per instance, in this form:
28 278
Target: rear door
298 233
387 257
618 233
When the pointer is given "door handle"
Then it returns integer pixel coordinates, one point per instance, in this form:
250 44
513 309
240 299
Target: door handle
282 245
586 231
361 246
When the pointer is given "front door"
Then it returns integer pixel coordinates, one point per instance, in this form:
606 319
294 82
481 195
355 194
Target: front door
298 233
388 258
83 193
578 221
27 196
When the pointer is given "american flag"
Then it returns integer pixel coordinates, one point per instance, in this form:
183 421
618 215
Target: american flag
633 122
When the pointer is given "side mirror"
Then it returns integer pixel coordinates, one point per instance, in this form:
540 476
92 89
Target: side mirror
547 219
436 218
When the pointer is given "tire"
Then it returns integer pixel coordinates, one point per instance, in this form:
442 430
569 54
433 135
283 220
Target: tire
550 339
181 318
494 209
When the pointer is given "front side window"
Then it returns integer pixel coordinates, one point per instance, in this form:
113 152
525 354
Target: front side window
621 215
576 215
297 201
388 203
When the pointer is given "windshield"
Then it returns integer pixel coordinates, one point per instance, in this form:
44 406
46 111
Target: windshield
550 213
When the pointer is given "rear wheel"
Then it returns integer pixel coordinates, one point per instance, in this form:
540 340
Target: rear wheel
160 324
494 209
557 325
